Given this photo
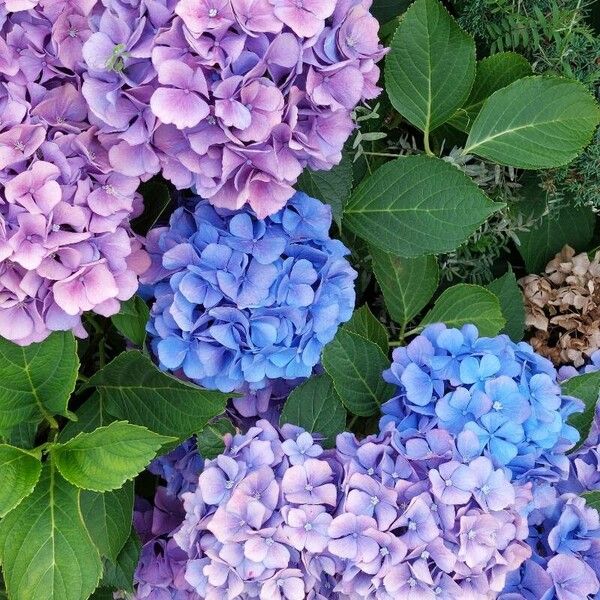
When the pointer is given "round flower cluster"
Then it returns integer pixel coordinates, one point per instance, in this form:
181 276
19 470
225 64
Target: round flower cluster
565 540
246 301
65 243
499 398
276 516
232 97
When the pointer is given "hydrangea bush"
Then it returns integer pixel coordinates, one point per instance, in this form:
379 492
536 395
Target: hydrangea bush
217 219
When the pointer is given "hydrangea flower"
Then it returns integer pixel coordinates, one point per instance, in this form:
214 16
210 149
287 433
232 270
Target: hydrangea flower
232 97
500 399
65 242
365 520
565 565
245 301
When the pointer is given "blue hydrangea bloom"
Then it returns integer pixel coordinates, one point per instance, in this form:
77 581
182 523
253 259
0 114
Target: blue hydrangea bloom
500 399
246 301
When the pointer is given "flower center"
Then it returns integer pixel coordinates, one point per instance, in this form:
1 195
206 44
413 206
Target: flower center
374 500
20 146
308 487
308 527
497 405
212 13
73 32
448 482
228 484
412 525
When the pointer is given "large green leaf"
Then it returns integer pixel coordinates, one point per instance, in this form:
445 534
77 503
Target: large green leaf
119 574
571 225
108 518
45 548
493 73
355 364
19 473
534 123
333 186
587 388
407 283
210 440
131 320
134 390
316 407
509 294
365 324
37 381
104 459
417 205
431 66
465 303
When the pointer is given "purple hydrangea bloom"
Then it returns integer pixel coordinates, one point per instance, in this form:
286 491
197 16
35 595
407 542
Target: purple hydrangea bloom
243 302
65 242
277 516
499 398
565 540
231 97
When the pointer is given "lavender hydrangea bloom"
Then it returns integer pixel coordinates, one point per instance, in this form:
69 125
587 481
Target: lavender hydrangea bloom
65 242
499 398
244 301
341 524
232 97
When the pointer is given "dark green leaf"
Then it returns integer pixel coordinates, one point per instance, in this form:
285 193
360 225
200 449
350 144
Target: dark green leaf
407 283
119 574
108 518
333 186
593 500
493 73
37 381
90 416
45 548
431 66
465 303
365 324
131 320
385 10
573 225
107 457
157 203
587 388
135 390
316 407
23 435
510 296
417 205
19 473
210 439
355 364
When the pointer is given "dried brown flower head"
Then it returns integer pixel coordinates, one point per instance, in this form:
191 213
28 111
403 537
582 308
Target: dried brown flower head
562 308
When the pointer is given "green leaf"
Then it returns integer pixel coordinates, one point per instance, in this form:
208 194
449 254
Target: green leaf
465 303
587 388
384 10
90 416
333 186
355 364
365 324
101 594
593 500
534 123
509 294
493 73
210 439
417 205
22 435
119 574
134 390
408 284
108 518
573 225
37 381
316 407
430 69
131 320
107 457
19 473
45 548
